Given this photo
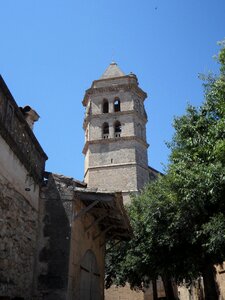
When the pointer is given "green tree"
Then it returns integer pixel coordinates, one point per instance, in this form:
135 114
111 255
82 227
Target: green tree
179 220
147 254
197 165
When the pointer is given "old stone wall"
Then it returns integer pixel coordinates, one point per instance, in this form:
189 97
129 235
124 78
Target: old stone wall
16 173
113 81
18 135
125 293
19 203
220 279
142 177
97 101
114 178
111 153
18 232
126 120
53 244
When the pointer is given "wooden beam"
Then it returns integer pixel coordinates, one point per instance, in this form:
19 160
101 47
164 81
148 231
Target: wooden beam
114 245
86 196
96 221
103 232
85 210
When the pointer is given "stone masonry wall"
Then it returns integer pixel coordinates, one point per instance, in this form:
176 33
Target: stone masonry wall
115 178
18 228
125 293
111 153
53 244
127 125
125 104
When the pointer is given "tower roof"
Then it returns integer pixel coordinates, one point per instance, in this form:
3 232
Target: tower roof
112 71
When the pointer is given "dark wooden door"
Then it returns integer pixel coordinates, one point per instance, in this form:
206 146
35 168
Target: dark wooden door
90 278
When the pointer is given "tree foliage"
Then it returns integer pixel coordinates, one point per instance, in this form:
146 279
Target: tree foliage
179 220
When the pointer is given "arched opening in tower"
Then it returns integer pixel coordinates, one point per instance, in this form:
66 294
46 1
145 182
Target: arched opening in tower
117 129
105 106
105 130
117 105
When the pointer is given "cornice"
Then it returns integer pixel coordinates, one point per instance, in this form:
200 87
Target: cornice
112 166
113 88
114 140
18 135
114 114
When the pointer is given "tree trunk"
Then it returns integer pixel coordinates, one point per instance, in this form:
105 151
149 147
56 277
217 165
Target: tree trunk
168 288
154 289
210 288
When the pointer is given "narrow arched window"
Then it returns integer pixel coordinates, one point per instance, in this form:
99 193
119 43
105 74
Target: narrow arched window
117 129
105 106
105 130
117 104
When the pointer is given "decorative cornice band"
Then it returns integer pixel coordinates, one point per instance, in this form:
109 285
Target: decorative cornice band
113 114
112 140
115 88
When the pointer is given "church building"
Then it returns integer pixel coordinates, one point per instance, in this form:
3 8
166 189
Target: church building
115 133
115 147
53 229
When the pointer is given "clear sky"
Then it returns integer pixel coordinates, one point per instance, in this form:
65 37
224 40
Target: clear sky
52 50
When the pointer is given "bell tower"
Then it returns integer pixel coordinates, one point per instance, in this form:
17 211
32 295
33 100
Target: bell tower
115 133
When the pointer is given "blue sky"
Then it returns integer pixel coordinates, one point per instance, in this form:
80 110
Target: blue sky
52 50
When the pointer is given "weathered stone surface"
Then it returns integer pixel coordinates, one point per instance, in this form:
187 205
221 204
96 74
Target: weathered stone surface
53 246
18 229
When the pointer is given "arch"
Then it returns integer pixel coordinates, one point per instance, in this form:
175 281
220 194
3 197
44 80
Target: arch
105 106
116 104
89 277
117 129
105 130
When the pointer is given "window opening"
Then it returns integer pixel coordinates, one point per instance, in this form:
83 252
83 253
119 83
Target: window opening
117 104
117 129
105 108
105 131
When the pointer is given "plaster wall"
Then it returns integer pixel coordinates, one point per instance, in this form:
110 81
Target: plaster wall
16 174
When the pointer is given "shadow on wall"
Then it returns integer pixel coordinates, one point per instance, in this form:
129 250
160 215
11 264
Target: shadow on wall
55 237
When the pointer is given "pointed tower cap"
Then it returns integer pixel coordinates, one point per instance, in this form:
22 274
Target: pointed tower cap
112 71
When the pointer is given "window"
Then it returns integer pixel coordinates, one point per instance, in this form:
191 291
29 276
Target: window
117 104
105 130
105 106
117 129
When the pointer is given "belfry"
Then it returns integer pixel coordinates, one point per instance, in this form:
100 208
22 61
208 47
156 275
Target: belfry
115 133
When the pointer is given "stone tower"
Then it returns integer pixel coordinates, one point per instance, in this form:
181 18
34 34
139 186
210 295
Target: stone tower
115 133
